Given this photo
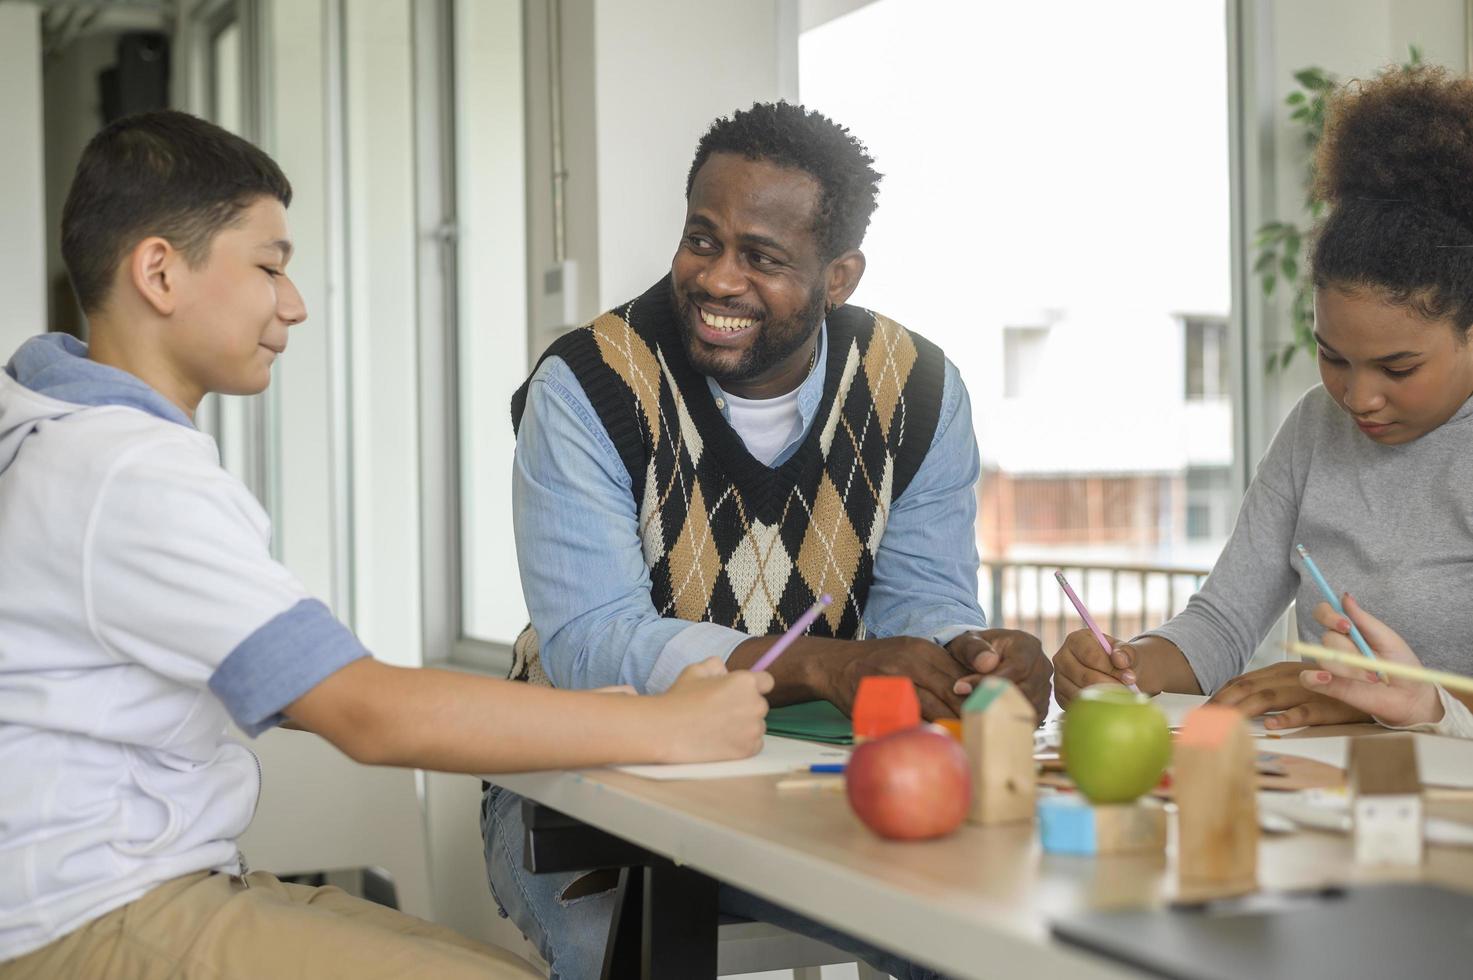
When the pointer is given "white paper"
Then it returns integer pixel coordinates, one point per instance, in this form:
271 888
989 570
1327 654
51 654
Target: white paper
778 755
1176 707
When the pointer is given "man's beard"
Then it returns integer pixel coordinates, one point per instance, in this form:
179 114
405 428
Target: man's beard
776 340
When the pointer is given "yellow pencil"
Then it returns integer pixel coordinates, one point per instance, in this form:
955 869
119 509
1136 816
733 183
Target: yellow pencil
1456 682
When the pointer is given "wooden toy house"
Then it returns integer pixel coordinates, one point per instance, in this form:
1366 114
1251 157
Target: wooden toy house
1217 806
997 732
1386 800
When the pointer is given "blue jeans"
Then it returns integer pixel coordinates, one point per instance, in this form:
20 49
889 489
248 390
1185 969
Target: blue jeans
571 934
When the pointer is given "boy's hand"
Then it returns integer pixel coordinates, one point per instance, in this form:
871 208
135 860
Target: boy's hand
1011 654
1400 702
1081 662
711 715
1277 688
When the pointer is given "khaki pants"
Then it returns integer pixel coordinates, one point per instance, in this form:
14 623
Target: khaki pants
210 926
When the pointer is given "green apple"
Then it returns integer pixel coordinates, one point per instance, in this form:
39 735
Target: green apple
1116 743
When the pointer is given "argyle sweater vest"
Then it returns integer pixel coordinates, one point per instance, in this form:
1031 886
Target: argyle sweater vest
726 538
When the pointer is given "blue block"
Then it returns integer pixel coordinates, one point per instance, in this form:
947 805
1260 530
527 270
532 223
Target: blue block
1066 824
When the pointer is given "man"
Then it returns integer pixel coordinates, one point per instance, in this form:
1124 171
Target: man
696 467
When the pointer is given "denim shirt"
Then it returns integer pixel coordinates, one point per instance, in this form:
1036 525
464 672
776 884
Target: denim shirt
583 570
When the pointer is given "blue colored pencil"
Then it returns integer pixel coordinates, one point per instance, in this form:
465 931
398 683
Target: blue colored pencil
1334 601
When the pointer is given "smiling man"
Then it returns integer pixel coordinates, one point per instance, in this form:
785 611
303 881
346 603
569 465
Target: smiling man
695 468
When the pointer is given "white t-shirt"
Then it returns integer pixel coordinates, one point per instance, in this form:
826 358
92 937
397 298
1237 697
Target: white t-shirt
767 425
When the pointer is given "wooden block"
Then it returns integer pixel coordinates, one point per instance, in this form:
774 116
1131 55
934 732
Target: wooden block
883 705
1386 800
1217 812
1068 824
997 732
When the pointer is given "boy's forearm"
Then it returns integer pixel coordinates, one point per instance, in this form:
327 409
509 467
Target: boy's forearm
455 722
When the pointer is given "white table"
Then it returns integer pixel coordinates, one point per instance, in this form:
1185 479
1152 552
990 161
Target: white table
975 904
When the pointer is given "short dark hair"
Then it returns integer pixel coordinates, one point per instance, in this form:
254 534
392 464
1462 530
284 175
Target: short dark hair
793 136
163 173
1394 166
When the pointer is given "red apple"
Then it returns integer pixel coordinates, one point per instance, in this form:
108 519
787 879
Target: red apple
910 785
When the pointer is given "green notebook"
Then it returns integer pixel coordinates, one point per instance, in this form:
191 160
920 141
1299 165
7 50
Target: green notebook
812 721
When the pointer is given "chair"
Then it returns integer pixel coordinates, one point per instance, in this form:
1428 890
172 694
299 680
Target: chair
321 811
744 946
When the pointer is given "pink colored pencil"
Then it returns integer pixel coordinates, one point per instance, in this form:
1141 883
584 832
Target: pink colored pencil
1088 620
796 630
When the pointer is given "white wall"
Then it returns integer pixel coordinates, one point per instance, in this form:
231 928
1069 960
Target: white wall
642 80
663 74
22 190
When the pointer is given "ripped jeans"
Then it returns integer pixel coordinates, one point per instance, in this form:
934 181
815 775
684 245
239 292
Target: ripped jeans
571 933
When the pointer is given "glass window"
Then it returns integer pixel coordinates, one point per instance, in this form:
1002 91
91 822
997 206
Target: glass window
1022 357
492 307
1207 357
1072 173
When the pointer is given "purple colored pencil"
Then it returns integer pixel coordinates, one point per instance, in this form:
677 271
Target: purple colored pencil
1088 619
796 630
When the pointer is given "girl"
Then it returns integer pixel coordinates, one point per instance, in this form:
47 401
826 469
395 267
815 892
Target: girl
1370 470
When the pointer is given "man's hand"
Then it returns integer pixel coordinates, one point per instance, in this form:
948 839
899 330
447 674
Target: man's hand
1011 654
934 671
1277 688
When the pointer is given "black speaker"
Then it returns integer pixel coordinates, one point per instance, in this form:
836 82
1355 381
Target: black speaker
140 80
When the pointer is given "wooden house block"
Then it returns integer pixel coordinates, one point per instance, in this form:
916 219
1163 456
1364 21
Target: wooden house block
1217 809
883 705
1386 800
1069 824
997 732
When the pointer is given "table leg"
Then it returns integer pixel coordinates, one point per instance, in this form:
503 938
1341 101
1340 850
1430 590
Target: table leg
664 925
680 909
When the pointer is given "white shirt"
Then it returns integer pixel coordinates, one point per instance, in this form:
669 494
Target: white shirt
767 425
140 612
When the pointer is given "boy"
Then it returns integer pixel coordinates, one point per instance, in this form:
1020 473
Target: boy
140 611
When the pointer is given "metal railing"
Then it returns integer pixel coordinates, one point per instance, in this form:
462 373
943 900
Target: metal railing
1123 599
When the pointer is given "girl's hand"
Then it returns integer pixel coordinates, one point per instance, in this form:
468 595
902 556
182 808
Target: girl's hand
1401 702
1277 688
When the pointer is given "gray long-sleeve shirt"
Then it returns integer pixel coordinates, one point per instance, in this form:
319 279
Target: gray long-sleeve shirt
1391 525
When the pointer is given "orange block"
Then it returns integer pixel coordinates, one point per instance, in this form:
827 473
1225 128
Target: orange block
952 726
884 705
1209 726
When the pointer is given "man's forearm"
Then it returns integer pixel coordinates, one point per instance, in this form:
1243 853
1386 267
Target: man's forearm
804 672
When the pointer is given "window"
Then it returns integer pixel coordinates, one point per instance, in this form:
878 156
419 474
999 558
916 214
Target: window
1207 357
1022 360
492 307
1106 205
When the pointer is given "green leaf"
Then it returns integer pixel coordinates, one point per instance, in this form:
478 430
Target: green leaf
1290 268
1268 285
1295 98
1315 79
1287 356
1415 56
1292 243
1301 113
1265 262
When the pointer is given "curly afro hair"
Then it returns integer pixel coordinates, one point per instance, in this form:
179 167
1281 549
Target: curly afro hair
1396 168
793 136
